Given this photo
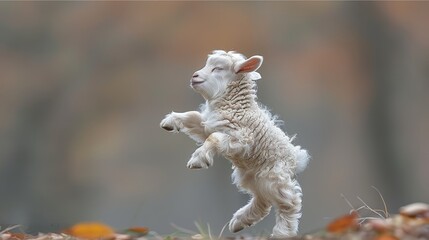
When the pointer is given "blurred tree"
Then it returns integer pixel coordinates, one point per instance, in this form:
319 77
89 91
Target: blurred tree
381 47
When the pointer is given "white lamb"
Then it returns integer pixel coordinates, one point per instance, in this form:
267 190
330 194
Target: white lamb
232 123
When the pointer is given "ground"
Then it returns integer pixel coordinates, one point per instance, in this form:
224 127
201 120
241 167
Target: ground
411 223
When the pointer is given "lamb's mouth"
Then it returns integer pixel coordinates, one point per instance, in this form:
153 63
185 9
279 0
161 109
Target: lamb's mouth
193 82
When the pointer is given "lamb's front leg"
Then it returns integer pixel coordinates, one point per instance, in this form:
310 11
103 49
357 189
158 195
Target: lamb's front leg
187 122
203 156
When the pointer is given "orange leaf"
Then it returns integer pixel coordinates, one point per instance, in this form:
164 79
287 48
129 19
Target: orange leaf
19 236
91 230
343 223
386 237
141 231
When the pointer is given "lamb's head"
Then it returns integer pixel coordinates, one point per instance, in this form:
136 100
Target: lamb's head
221 68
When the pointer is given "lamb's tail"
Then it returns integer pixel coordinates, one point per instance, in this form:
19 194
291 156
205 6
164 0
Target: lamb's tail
302 159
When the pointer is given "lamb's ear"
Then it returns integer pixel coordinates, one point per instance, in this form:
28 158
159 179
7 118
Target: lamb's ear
249 65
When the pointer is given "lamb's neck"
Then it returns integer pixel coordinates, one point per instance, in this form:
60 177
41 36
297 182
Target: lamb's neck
239 96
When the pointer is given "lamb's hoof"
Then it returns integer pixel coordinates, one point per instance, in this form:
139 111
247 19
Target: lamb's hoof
192 166
235 225
195 164
199 159
168 123
168 128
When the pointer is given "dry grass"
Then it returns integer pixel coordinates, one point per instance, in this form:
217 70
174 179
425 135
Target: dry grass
411 223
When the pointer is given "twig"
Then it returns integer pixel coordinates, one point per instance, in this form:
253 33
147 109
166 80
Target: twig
386 213
200 229
361 220
183 230
209 232
348 202
360 208
223 229
372 210
9 228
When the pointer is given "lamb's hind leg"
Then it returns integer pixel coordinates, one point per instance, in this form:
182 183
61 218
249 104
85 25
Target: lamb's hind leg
253 212
288 200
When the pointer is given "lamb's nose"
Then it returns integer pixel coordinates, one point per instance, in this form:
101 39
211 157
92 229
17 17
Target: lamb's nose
195 75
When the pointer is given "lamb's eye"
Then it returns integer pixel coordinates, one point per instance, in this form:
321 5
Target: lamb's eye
217 69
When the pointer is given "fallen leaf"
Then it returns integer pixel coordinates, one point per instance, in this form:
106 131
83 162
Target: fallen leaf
344 223
19 236
386 237
139 230
415 210
91 230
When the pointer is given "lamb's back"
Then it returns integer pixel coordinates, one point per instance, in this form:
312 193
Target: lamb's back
270 145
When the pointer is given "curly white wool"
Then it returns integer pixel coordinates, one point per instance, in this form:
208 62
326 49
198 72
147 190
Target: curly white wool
233 124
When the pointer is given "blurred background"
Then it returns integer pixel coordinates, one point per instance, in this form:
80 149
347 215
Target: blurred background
84 85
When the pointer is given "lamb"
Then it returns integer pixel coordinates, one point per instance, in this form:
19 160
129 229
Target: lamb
233 124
